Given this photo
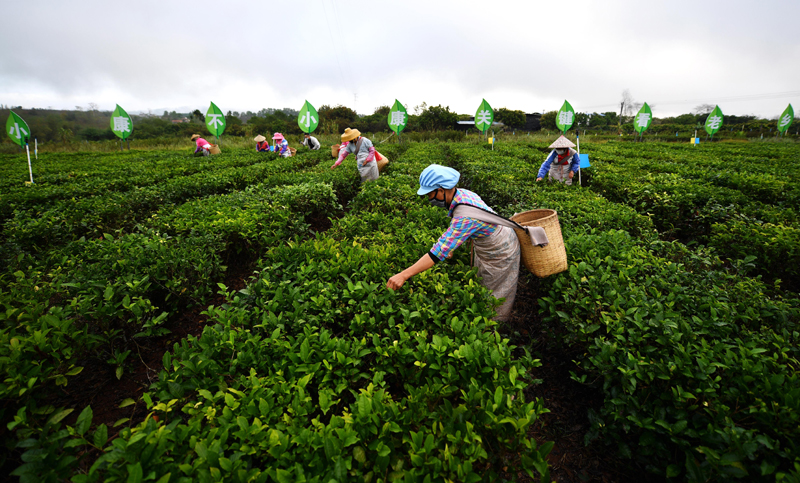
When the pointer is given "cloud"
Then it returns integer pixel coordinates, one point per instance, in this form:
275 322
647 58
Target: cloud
522 55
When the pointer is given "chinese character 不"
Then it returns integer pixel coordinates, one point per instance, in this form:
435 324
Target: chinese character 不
484 117
215 120
121 124
714 122
307 119
785 120
565 117
643 119
398 118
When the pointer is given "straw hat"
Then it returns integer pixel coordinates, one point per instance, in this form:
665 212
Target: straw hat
350 134
195 136
259 139
277 136
562 142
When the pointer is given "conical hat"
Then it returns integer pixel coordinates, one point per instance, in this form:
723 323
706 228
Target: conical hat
350 134
562 142
259 139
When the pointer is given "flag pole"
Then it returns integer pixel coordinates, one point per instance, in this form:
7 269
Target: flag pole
579 160
30 169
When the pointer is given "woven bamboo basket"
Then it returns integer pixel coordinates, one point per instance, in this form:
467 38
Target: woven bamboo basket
382 163
214 149
335 150
293 151
542 261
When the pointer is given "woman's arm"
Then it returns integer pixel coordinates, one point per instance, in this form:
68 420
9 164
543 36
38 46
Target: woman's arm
420 266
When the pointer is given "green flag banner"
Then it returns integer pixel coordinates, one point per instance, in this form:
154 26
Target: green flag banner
121 123
714 121
484 116
565 117
308 119
786 119
643 119
398 117
17 129
215 120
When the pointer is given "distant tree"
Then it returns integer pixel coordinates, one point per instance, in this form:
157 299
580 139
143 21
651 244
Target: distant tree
420 108
196 114
627 107
437 118
512 119
686 119
548 121
598 120
336 119
703 109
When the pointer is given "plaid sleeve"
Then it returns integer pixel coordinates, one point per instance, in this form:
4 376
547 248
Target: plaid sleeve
460 230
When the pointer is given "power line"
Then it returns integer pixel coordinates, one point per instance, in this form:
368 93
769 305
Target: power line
746 97
333 44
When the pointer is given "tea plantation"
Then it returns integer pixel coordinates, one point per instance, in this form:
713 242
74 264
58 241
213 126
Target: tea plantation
681 298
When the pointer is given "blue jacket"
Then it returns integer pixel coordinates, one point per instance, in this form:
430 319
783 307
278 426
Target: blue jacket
575 163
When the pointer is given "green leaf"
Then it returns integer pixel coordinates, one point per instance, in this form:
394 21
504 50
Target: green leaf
127 402
565 117
673 471
84 421
75 371
122 126
101 436
135 473
714 121
215 120
359 454
398 117
512 374
786 119
643 119
498 395
308 119
17 129
57 417
484 116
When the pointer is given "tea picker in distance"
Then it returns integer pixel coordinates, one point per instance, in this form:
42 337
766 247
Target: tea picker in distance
562 163
203 146
497 249
354 143
311 142
281 145
261 144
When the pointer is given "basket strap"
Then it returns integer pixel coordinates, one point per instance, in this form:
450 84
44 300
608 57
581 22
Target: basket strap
537 234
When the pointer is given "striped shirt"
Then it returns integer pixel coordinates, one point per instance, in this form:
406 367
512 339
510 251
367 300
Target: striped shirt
461 228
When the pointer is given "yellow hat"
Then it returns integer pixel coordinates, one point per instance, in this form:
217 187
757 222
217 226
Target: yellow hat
350 134
195 136
259 139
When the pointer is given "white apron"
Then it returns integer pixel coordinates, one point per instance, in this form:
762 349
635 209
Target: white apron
497 259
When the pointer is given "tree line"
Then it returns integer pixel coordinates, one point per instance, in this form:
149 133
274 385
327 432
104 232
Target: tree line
91 124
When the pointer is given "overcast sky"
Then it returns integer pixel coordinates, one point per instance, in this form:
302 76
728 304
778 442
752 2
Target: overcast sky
527 55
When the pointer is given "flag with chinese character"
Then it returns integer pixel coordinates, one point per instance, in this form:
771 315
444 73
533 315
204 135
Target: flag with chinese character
398 117
215 120
17 129
786 119
308 119
643 119
714 121
121 123
484 116
565 117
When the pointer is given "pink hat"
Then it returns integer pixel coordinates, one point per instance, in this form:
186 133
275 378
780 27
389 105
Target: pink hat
277 135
